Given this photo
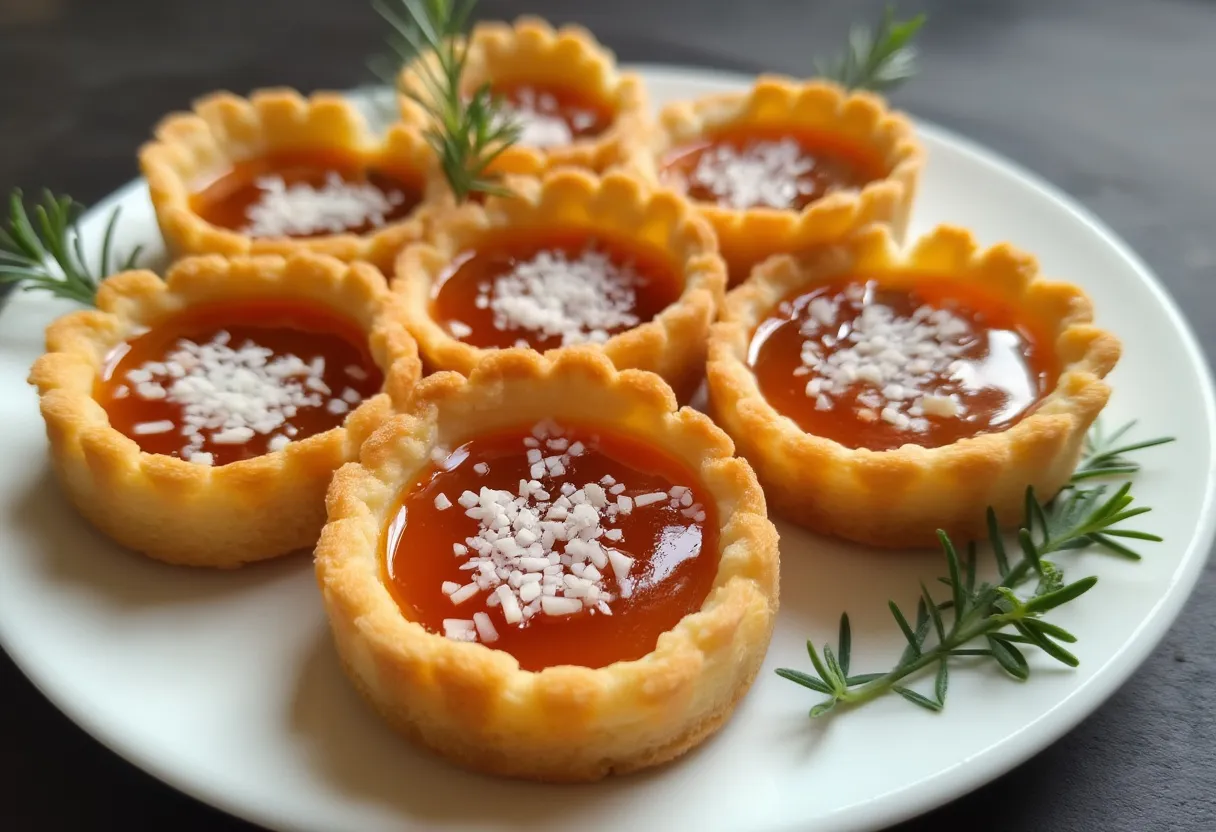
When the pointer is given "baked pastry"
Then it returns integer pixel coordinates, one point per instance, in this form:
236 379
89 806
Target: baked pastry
545 571
570 259
199 419
560 85
278 173
882 397
789 165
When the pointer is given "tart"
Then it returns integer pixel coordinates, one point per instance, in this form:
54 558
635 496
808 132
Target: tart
882 397
546 571
570 259
199 419
560 85
789 165
278 173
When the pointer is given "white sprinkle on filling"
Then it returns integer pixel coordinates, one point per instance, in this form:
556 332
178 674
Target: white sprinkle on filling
542 125
907 367
228 395
144 428
300 209
580 299
764 174
550 548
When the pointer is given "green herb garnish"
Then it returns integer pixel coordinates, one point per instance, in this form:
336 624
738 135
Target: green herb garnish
47 254
1007 623
468 132
879 59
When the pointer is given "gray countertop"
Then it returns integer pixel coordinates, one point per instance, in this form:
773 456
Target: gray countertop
1113 100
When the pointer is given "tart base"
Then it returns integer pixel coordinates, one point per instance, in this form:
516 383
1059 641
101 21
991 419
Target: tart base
900 498
224 129
473 704
532 51
672 344
747 237
188 514
560 769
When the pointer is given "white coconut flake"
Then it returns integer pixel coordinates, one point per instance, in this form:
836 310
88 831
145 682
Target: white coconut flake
228 393
766 174
546 547
146 428
302 209
577 299
541 122
907 365
485 628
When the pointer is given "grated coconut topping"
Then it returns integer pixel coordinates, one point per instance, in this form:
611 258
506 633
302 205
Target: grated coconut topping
908 366
229 395
541 123
301 209
581 299
550 547
765 174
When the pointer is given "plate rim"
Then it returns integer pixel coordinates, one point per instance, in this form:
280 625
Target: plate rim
915 798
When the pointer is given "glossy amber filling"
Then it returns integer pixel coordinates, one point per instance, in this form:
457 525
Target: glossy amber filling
670 544
877 365
307 193
551 115
552 288
225 382
769 167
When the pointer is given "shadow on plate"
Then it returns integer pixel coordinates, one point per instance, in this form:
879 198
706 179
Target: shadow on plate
354 750
822 577
71 552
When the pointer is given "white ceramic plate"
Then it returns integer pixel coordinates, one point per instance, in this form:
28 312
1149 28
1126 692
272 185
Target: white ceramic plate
226 686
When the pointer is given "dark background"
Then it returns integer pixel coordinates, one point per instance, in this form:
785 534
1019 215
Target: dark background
1113 100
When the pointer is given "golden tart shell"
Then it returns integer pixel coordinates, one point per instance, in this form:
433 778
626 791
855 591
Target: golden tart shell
531 51
224 130
746 237
901 497
473 704
178 511
672 344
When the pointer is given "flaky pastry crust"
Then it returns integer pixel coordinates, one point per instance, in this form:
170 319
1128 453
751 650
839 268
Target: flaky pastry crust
747 237
531 51
672 344
192 149
900 497
473 704
182 512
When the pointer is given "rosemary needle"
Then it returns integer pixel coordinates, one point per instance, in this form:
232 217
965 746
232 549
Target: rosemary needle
994 615
46 253
468 132
879 59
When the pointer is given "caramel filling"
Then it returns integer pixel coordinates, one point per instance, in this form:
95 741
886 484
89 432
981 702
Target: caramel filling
552 289
559 544
551 116
225 382
753 167
927 362
306 193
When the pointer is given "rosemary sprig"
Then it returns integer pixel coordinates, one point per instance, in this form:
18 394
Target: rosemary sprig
1007 622
468 132
47 254
879 59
